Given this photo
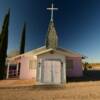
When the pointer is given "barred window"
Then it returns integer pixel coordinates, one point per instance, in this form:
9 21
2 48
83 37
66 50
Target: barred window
69 64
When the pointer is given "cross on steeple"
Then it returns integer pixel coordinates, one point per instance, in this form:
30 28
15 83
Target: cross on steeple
52 9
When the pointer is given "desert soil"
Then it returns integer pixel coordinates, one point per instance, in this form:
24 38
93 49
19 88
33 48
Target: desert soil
71 91
28 90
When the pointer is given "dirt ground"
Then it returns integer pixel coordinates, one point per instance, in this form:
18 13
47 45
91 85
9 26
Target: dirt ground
70 91
28 90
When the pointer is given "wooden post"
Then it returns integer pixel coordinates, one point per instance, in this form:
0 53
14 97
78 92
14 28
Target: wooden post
17 69
8 65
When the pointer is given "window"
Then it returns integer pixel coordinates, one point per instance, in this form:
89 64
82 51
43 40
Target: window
69 64
31 64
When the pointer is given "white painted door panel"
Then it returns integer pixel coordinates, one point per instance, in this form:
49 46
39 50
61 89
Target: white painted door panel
52 72
56 71
47 71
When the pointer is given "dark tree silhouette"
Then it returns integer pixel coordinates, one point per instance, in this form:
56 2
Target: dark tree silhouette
4 45
22 41
0 38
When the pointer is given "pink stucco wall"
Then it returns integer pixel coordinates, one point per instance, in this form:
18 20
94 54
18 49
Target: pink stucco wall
25 72
76 71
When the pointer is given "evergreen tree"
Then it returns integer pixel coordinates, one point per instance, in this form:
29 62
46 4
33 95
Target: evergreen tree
0 37
22 41
4 45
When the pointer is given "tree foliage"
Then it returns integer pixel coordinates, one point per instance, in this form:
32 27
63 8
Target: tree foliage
4 45
22 41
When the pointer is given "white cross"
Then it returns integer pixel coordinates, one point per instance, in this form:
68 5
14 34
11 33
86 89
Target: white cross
52 11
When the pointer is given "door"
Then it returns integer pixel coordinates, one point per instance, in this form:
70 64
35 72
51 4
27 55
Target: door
52 72
47 72
56 71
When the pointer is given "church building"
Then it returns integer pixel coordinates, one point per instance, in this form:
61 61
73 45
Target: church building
49 64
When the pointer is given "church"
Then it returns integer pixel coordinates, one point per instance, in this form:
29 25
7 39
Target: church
48 64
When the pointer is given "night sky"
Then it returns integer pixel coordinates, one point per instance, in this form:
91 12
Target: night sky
77 23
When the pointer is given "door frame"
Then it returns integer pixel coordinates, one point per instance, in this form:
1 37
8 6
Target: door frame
42 70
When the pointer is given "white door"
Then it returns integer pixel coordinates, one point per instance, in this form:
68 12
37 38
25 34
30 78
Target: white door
52 72
47 72
56 71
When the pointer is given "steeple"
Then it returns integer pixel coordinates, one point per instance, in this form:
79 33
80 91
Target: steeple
52 38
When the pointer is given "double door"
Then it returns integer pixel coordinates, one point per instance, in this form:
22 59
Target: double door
52 72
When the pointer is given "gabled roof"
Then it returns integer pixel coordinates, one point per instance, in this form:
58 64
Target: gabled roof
61 51
69 51
32 52
43 50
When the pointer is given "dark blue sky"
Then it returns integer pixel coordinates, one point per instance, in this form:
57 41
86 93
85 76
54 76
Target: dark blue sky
77 23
